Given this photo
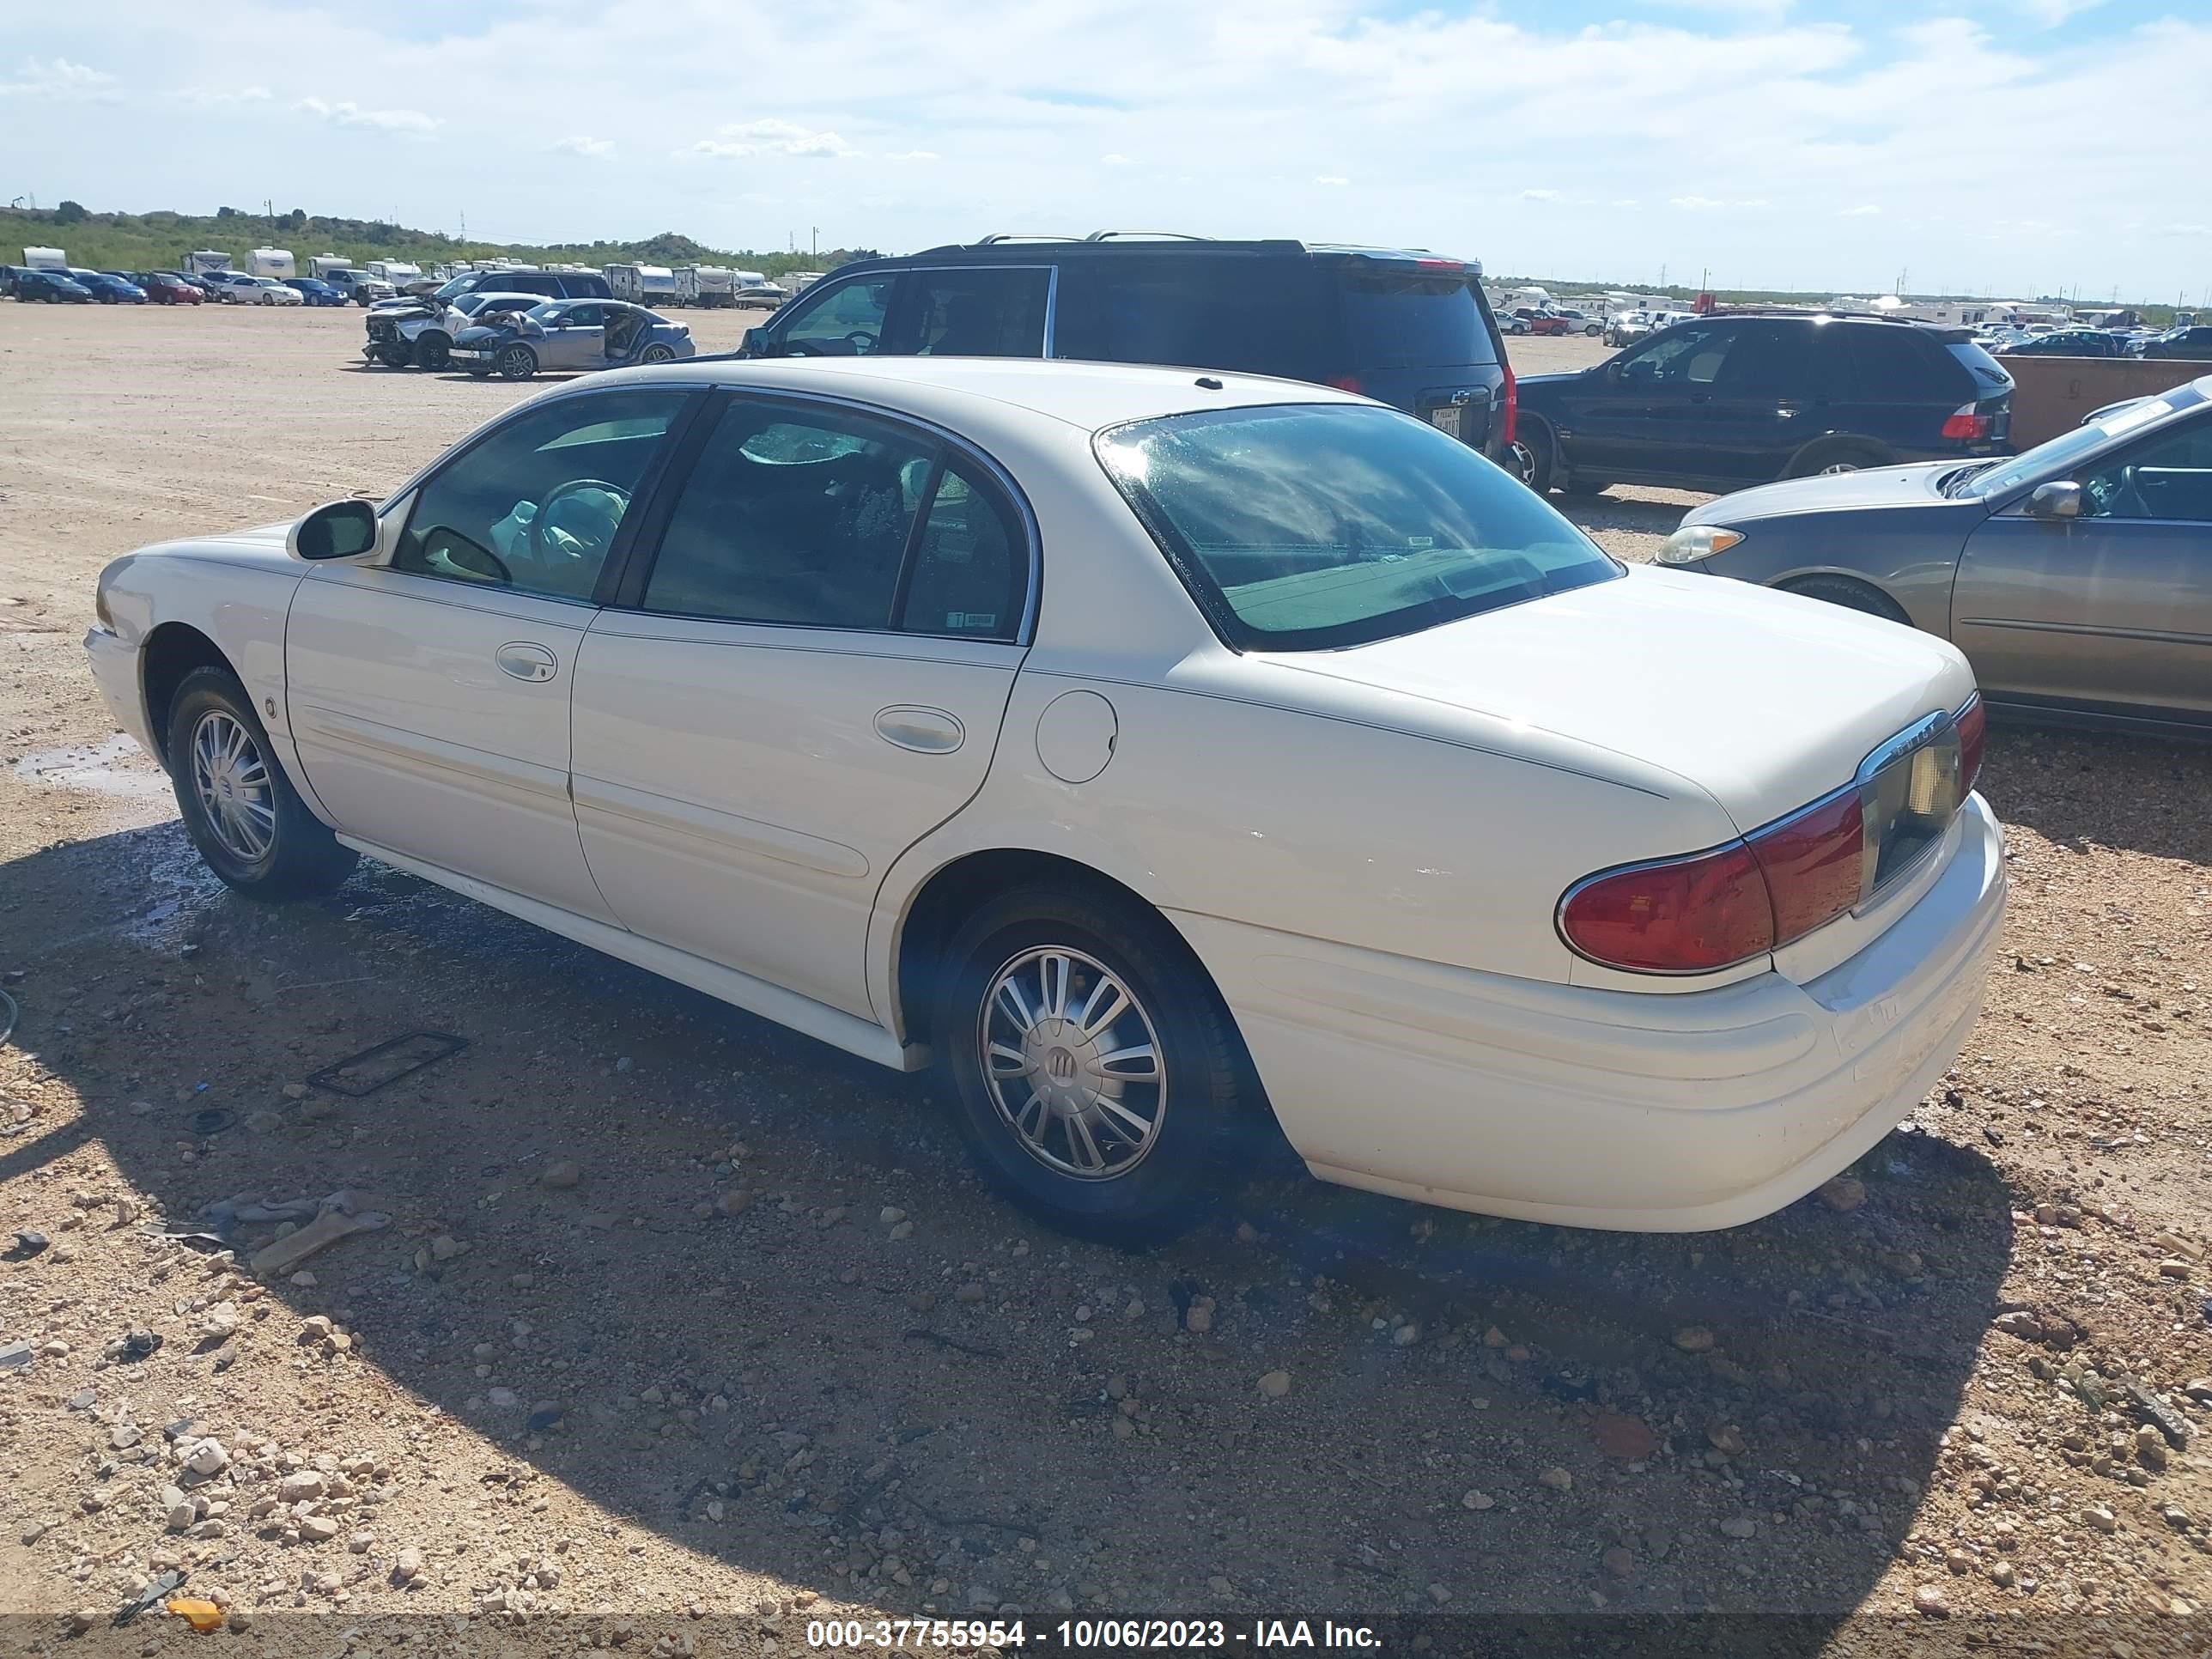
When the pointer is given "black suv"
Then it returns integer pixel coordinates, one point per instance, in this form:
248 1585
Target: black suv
553 284
1405 327
1719 403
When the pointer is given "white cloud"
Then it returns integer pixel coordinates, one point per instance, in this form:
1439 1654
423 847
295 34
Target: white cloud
1714 204
1331 178
578 143
1540 196
1113 160
1863 211
221 97
2182 230
348 114
58 77
2050 14
914 156
771 137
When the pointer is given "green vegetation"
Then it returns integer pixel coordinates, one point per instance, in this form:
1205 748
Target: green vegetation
153 241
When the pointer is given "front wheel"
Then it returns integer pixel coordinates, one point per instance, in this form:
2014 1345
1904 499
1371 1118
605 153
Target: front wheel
433 351
516 362
1097 1076
240 809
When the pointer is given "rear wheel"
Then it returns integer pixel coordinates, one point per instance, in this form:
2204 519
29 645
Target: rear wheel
433 351
1852 594
1845 455
516 362
655 354
1578 485
240 809
1097 1077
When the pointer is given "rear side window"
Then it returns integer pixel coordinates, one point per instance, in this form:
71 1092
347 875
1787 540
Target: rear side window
1887 363
981 311
1767 360
1406 319
1247 315
1309 527
585 287
1988 374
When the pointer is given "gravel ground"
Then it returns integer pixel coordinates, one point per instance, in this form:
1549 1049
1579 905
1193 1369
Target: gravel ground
685 1331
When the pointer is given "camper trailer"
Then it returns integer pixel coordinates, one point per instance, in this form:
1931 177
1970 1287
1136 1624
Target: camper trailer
203 262
642 285
398 272
271 261
323 264
46 259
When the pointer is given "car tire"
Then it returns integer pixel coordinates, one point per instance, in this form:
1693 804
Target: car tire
656 354
1158 1149
1535 438
433 351
1592 331
249 824
1577 485
1844 456
1852 594
516 362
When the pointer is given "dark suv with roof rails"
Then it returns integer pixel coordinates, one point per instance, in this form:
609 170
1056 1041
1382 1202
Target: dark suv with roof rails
1723 402
1401 325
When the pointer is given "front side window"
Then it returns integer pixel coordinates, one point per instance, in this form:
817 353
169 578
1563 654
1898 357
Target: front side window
1315 526
1683 357
845 321
981 312
2167 477
534 507
820 518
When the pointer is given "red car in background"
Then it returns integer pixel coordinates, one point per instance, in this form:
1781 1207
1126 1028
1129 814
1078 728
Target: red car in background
1542 322
166 288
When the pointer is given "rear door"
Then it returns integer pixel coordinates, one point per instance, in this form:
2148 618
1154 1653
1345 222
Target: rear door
1752 417
2113 609
806 676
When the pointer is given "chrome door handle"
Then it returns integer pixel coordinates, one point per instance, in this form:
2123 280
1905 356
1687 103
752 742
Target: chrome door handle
523 661
924 731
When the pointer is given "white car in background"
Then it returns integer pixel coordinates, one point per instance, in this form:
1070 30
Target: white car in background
1154 752
236 288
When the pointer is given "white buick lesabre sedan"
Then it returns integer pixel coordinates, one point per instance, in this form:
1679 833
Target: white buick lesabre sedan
1154 750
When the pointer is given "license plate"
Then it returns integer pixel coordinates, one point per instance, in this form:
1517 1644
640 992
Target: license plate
1445 417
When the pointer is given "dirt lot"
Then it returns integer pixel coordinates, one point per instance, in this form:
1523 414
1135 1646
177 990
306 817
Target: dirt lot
772 1354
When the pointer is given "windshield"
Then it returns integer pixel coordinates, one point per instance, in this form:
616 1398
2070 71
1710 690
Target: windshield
2063 453
1307 527
548 313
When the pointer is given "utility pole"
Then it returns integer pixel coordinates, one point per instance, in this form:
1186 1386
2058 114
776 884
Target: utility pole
814 240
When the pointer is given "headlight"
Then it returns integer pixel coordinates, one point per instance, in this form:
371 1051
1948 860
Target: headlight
1693 542
99 607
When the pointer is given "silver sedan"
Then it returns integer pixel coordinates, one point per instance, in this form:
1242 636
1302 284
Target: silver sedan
565 335
2077 577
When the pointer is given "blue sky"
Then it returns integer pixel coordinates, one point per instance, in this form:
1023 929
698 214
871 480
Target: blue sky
1999 146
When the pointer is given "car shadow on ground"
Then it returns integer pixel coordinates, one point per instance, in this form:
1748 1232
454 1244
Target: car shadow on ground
2085 789
749 1352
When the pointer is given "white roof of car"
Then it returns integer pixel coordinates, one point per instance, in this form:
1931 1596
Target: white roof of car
1088 396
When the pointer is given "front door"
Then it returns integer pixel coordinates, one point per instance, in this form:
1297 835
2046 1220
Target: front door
1757 411
808 677
2113 608
576 338
429 696
1632 416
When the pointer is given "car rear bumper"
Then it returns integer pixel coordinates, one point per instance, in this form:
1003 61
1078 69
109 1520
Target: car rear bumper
1654 1112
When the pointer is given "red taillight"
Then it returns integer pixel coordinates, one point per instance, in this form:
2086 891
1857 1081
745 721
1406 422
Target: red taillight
1345 383
1968 424
1684 916
1815 864
1973 725
1512 398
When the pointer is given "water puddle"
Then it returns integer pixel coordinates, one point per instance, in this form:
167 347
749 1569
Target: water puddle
118 767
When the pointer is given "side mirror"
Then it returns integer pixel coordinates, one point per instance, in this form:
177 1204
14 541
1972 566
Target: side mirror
754 343
1611 369
2059 498
342 529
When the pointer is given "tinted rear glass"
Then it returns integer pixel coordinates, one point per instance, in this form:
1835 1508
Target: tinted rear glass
1307 527
1407 319
1254 316
1889 362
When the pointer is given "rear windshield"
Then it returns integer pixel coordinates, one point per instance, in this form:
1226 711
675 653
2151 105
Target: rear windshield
1409 320
1989 376
1307 527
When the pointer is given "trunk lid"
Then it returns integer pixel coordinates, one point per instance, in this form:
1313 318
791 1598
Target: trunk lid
1764 699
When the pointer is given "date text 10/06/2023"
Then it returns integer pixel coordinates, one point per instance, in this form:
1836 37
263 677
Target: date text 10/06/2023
1076 1634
